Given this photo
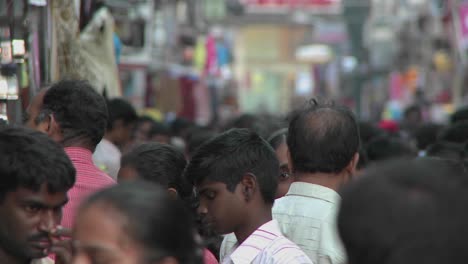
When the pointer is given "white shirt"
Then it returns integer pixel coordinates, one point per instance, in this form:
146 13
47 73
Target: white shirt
107 158
43 261
307 215
267 246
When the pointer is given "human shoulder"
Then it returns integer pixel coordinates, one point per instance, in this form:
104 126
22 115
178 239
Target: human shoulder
283 250
43 261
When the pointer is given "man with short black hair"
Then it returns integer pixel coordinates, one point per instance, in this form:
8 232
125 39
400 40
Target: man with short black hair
36 175
73 114
411 211
323 141
236 177
122 118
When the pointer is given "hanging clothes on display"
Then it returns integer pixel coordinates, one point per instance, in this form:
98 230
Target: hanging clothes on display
96 42
65 58
87 55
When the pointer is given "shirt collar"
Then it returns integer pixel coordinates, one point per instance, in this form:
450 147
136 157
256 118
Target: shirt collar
256 243
314 191
42 261
79 154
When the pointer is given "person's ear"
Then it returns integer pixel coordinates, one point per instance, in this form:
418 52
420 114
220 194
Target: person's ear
44 126
173 193
51 127
249 186
351 168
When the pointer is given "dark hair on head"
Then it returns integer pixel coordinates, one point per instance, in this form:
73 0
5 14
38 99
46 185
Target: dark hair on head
446 150
179 125
460 115
30 159
196 137
387 147
369 131
456 133
322 138
411 211
79 110
278 138
427 134
229 156
161 164
249 121
163 226
120 109
412 109
158 128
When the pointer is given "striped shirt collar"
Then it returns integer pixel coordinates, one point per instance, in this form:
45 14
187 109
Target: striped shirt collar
79 154
314 191
256 243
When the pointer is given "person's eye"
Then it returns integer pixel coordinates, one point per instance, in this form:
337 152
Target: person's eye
284 175
58 209
32 208
210 195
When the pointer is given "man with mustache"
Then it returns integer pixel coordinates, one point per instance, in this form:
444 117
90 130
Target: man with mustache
36 175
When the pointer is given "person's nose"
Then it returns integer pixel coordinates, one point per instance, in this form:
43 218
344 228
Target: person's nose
48 221
202 210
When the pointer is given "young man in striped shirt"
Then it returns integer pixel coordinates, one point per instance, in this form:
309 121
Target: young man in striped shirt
236 177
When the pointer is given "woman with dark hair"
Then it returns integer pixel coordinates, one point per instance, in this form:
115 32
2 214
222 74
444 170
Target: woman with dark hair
135 223
277 141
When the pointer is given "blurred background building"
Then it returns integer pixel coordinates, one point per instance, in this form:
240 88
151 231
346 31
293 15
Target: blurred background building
207 60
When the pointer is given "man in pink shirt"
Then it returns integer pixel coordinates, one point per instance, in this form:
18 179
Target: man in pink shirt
73 114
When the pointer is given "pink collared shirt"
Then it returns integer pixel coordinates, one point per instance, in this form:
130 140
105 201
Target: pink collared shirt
89 179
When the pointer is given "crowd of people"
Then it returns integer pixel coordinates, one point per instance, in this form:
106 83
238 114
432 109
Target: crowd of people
86 180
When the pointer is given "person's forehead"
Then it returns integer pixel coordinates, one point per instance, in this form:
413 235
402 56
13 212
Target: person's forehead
101 226
210 185
42 192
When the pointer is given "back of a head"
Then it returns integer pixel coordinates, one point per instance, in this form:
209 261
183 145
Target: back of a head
460 115
196 137
369 131
160 224
158 128
30 159
426 135
119 109
161 164
249 121
322 138
79 110
446 150
229 156
386 147
456 133
406 212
